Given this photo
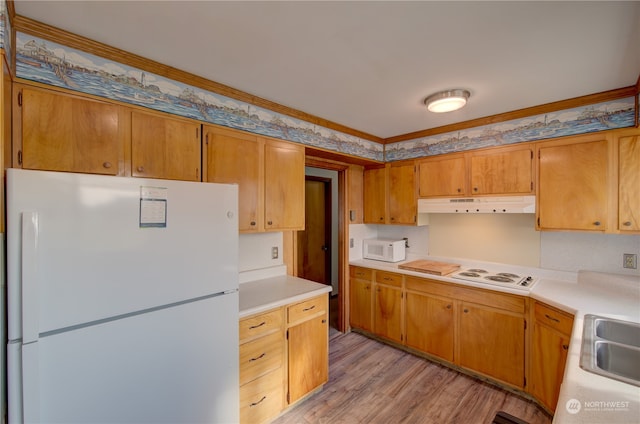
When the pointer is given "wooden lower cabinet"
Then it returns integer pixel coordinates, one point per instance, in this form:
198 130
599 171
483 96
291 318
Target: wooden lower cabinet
308 346
360 298
387 318
430 325
262 358
261 400
550 345
480 330
491 342
284 356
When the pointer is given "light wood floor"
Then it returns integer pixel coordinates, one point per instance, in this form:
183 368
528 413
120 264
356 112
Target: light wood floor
370 382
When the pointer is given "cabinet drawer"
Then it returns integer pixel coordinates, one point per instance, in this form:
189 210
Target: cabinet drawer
307 309
260 324
360 273
553 318
262 399
389 278
260 356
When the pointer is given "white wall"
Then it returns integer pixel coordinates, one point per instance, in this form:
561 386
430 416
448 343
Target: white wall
255 251
586 251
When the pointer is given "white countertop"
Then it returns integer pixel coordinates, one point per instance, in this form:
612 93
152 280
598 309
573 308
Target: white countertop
268 293
599 399
586 397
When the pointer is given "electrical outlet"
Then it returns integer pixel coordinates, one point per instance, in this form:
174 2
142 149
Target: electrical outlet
630 260
351 243
274 252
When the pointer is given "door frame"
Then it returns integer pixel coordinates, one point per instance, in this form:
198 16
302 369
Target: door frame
343 234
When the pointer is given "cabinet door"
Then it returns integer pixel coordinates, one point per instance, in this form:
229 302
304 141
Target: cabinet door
308 356
430 325
355 175
164 147
492 342
629 183
573 186
508 172
237 158
360 304
67 133
402 194
548 359
375 196
284 186
442 177
388 312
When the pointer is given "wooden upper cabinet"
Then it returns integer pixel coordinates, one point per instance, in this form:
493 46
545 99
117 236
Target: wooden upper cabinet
283 186
165 147
60 132
573 184
390 194
403 205
375 196
503 171
442 176
355 175
269 174
235 157
629 183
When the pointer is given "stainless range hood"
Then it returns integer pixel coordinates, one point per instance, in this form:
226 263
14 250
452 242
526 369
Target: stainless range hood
506 204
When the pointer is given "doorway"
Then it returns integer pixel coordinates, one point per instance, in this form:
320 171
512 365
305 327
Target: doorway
315 242
318 247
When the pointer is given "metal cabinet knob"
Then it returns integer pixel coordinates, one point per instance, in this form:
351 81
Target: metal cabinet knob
270 222
252 223
597 223
466 311
106 165
627 223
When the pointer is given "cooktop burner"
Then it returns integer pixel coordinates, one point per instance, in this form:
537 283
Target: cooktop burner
497 278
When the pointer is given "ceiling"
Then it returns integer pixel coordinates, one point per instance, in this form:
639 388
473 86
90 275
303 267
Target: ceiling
370 65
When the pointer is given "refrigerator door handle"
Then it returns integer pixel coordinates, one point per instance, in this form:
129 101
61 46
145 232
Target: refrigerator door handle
30 384
29 269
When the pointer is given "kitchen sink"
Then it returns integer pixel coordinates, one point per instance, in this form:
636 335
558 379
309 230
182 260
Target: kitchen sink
623 332
611 348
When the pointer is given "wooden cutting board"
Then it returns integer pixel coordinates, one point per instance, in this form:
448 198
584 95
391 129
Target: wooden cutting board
430 267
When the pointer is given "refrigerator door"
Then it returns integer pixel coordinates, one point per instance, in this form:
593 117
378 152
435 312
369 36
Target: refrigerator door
107 246
165 366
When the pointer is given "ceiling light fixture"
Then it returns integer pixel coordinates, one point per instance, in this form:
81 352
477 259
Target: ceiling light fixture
447 101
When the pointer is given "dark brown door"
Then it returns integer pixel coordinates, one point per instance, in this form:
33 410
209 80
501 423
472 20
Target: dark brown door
314 243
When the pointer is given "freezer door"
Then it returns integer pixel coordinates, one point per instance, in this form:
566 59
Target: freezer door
173 365
105 246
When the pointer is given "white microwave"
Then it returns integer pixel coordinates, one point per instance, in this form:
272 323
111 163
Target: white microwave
384 250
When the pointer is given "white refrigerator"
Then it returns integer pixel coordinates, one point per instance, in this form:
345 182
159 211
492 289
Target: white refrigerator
122 300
